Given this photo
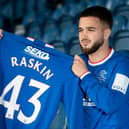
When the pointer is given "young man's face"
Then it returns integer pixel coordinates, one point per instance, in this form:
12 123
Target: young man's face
91 34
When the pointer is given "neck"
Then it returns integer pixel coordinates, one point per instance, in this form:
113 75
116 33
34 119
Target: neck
99 55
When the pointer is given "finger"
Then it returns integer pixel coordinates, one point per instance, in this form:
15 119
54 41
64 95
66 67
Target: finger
76 57
1 33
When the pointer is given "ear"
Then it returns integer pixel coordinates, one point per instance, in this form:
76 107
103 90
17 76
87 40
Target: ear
107 33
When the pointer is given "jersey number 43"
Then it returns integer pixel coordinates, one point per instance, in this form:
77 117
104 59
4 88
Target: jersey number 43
15 85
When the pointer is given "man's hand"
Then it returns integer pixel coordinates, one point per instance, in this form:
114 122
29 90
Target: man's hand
79 67
1 33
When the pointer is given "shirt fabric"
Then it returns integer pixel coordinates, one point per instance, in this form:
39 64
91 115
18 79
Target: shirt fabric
106 86
34 79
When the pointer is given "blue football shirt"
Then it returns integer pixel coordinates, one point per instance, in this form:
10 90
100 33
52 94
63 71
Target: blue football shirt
34 79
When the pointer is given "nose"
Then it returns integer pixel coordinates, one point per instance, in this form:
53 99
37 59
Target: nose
85 34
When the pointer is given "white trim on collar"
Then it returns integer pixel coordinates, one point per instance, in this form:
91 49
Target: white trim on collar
104 60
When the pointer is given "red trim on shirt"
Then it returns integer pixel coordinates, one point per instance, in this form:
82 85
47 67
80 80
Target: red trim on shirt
102 59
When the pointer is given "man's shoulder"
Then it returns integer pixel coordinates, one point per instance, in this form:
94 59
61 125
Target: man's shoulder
122 55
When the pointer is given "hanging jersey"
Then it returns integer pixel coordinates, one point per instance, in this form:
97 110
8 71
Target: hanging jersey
33 80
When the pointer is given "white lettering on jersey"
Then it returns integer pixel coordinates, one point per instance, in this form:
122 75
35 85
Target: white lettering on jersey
33 64
87 102
12 105
121 83
37 53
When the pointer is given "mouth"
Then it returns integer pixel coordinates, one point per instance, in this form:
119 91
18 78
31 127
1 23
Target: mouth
85 42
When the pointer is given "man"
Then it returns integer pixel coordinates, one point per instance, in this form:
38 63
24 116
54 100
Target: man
104 73
32 85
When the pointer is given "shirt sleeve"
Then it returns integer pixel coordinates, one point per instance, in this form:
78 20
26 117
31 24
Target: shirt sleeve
109 98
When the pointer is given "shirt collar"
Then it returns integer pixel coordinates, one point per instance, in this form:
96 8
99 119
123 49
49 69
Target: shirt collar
103 60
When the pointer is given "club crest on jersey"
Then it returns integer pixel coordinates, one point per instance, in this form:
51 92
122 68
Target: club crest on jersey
37 53
102 75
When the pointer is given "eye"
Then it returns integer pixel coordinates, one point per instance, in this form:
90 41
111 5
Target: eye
80 30
91 29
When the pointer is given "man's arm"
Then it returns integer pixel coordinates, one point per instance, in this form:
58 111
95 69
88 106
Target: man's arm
108 99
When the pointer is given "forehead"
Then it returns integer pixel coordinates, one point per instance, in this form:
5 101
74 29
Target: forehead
89 22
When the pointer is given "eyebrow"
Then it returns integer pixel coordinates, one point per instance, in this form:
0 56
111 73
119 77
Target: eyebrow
87 28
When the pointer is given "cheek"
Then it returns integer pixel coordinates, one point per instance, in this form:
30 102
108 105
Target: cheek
97 36
80 36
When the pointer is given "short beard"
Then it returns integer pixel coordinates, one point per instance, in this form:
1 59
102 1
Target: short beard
93 49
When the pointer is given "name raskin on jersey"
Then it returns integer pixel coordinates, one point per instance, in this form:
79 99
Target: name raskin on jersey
33 64
37 53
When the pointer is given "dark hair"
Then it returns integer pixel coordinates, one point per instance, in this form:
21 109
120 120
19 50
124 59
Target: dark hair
100 12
